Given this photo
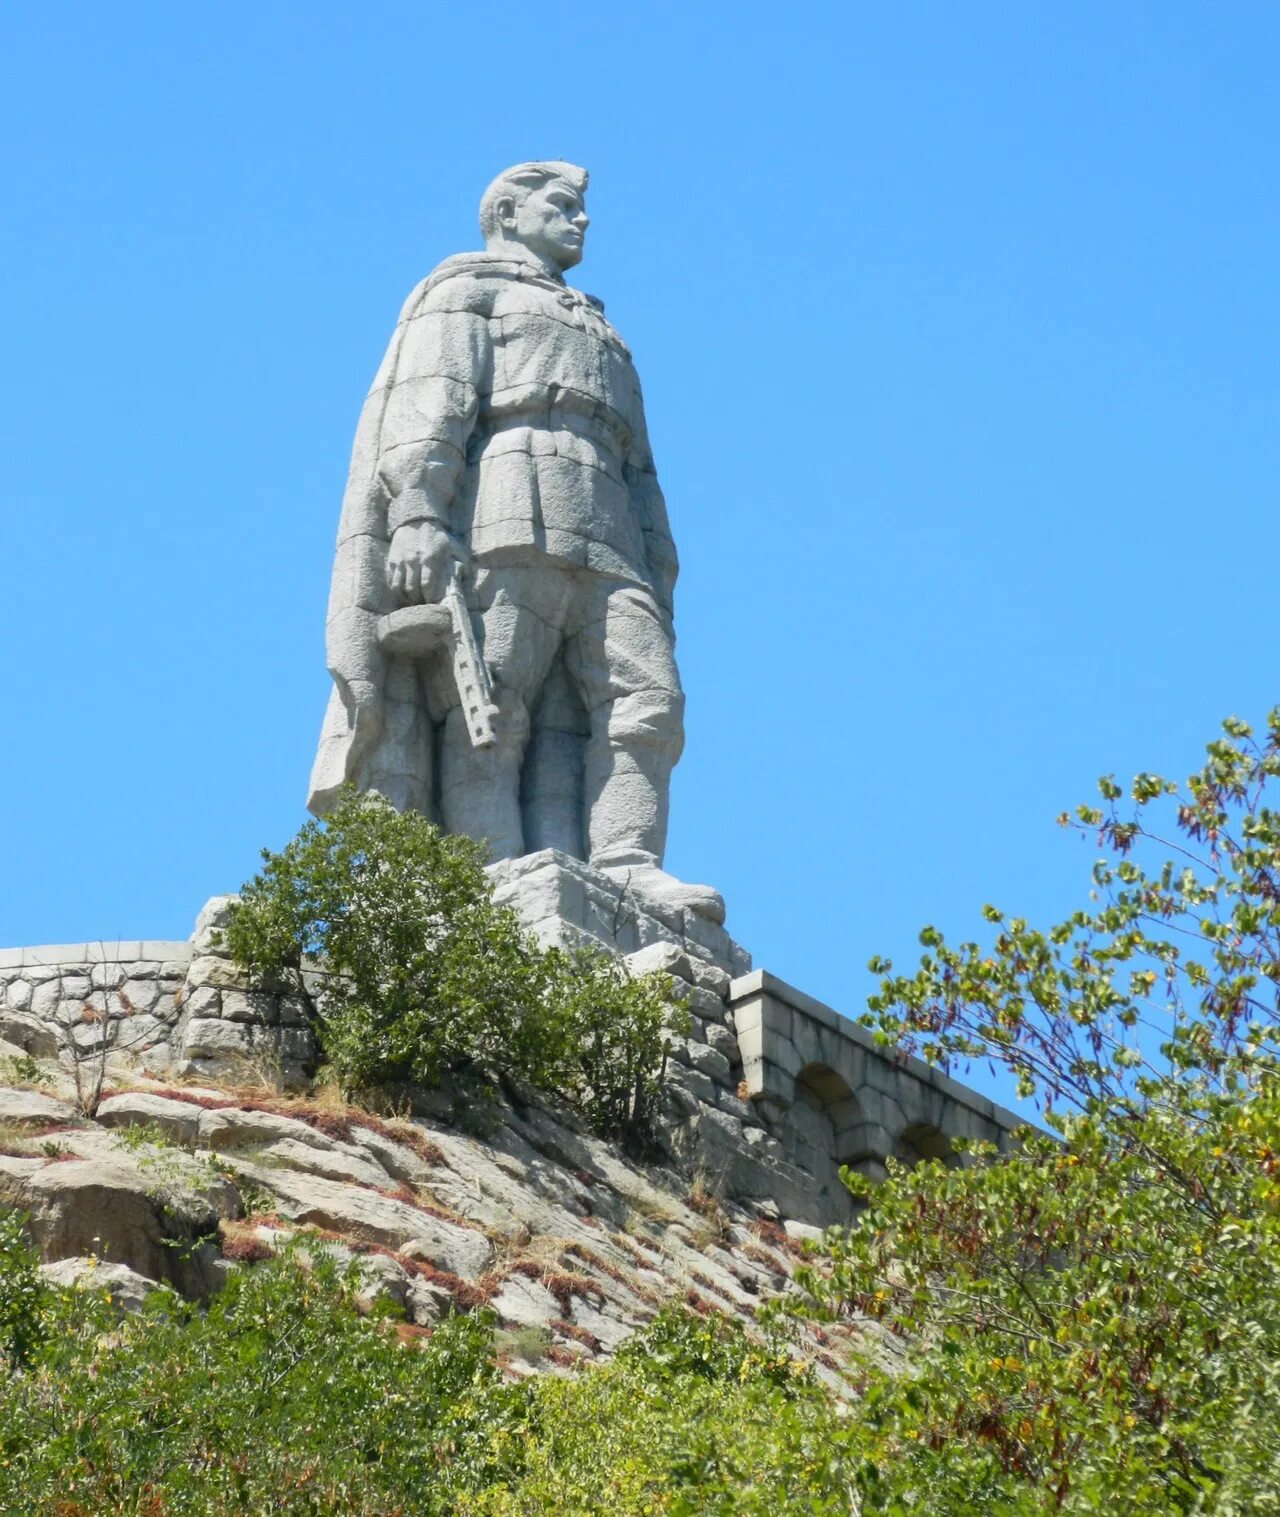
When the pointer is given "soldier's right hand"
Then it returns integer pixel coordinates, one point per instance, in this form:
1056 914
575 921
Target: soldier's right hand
419 561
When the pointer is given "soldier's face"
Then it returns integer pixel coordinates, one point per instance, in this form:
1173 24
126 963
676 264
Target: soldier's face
551 221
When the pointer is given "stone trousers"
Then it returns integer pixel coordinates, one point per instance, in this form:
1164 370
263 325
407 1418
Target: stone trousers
590 724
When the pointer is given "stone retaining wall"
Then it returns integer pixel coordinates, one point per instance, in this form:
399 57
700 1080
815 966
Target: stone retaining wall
768 1095
172 1007
62 991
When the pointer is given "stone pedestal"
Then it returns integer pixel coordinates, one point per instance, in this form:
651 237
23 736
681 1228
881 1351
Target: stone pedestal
567 903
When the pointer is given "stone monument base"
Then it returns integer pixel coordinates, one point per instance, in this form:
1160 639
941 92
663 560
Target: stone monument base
768 1095
567 903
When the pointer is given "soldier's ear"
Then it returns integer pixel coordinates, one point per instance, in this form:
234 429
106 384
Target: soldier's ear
505 210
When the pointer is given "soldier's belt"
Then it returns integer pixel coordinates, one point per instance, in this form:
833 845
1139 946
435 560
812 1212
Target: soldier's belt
603 430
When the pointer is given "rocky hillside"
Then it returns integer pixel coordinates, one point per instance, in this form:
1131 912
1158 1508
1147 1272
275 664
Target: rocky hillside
570 1242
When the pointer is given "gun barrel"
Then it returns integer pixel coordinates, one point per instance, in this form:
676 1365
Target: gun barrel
470 674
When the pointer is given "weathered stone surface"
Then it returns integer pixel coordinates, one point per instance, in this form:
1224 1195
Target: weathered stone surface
712 977
202 1003
802 1232
337 1163
705 1003
140 994
110 1208
571 1211
662 958
608 1327
728 1100
398 1159
567 903
253 1006
426 1303
233 1127
723 1041
375 1218
17 995
698 1085
525 1303
23 1107
179 1120
710 1062
45 998
238 1047
34 1037
211 969
126 1287
15 1170
214 916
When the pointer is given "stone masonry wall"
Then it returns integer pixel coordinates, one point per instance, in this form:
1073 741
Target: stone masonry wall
768 1095
55 996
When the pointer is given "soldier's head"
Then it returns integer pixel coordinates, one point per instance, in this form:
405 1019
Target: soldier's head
539 206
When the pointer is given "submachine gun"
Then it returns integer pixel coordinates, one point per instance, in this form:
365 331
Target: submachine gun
413 631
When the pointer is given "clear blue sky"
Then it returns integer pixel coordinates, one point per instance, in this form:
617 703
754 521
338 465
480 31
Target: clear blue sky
959 329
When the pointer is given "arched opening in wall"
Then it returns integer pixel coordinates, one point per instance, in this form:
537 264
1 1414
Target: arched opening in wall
820 1087
923 1141
824 1112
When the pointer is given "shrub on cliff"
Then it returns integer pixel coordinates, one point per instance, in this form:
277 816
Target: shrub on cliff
421 973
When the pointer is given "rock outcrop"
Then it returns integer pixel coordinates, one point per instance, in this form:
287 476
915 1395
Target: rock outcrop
572 1243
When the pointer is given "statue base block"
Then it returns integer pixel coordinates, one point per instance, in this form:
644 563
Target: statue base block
566 903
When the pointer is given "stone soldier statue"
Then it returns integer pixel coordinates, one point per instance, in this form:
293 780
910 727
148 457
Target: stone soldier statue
502 499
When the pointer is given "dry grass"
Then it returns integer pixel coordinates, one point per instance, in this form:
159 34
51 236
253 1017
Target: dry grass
710 1285
777 1237
589 1341
239 1242
563 1284
767 1259
337 1120
649 1209
611 1271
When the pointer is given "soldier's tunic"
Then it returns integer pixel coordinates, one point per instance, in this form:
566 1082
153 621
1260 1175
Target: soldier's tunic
508 411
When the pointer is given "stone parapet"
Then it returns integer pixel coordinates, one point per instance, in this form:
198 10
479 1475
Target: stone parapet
832 1095
68 955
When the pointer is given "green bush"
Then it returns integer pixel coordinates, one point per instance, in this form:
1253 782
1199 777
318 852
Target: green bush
282 1399
23 1295
694 1418
1091 1323
424 974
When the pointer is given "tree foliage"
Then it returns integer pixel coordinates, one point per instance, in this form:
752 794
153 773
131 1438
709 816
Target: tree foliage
420 973
283 1399
1093 1324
